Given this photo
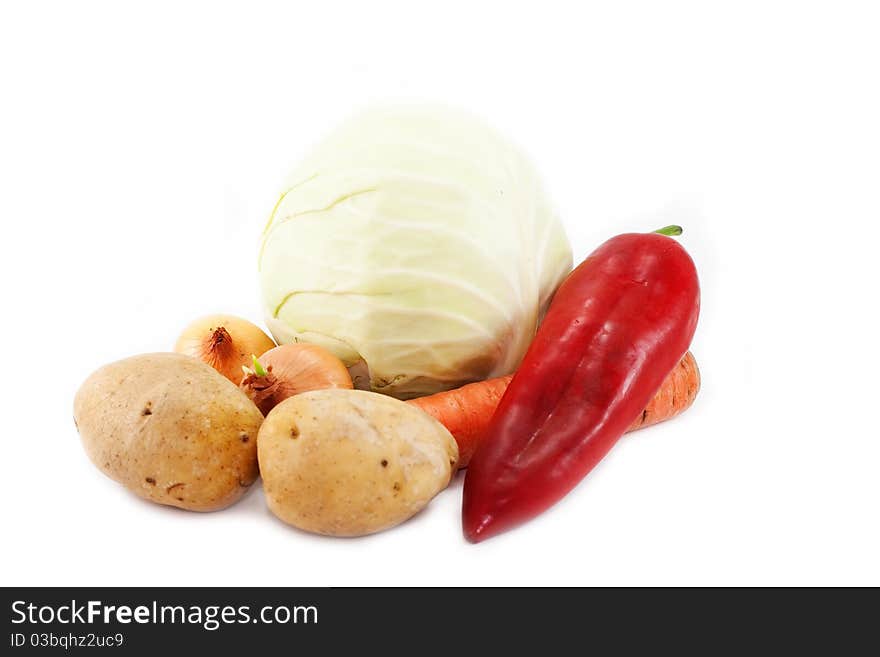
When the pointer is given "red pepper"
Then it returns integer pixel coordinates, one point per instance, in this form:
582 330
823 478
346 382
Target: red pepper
616 327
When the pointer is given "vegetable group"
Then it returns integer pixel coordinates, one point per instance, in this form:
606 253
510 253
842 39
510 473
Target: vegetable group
412 254
616 328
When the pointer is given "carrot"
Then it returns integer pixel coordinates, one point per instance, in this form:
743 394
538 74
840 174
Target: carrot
675 396
466 411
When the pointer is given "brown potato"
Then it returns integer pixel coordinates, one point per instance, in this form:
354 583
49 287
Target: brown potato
351 462
171 430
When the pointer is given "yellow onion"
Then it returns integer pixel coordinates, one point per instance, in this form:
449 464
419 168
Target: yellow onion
224 342
289 370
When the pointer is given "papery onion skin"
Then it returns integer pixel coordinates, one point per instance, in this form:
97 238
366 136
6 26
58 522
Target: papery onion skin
291 369
225 342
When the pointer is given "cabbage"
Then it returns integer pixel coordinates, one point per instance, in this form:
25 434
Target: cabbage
417 245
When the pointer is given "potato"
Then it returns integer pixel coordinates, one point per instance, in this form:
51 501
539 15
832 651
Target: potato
351 462
170 429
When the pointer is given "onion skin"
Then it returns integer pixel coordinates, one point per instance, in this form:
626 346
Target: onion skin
291 369
225 342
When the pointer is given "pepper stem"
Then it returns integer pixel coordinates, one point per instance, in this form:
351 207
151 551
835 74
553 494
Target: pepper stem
670 230
259 370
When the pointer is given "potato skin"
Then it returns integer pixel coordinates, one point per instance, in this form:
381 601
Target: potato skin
350 462
171 430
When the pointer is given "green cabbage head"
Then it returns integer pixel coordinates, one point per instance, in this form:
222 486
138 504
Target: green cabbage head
416 244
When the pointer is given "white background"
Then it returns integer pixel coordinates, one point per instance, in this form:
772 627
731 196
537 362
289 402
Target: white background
141 150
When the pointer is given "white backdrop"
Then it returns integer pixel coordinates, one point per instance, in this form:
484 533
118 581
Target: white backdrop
141 150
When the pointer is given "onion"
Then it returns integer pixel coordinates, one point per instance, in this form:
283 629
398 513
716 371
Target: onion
224 342
289 370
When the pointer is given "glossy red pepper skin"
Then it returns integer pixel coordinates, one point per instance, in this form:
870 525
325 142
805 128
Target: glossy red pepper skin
616 327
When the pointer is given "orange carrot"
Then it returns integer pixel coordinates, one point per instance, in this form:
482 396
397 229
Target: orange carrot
466 411
675 396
